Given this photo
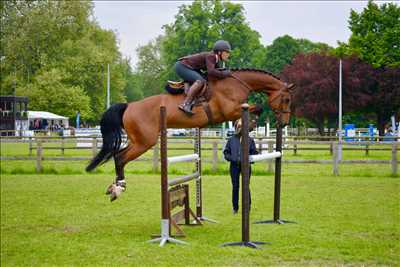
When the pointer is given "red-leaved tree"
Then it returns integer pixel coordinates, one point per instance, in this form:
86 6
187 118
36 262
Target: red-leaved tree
385 96
317 87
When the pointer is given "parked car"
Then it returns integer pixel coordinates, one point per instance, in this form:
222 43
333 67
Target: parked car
178 132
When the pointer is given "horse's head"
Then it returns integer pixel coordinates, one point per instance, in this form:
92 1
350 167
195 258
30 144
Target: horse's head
280 102
278 91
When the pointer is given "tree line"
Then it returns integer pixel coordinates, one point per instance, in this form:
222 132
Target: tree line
56 54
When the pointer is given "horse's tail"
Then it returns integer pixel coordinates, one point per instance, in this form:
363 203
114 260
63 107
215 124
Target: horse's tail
111 130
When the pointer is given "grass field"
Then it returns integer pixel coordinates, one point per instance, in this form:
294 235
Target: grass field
66 220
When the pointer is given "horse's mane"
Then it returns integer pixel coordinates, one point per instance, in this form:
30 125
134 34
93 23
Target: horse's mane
256 70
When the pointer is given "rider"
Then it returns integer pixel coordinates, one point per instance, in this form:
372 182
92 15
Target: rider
189 67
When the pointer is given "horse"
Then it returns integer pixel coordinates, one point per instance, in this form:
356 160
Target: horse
141 119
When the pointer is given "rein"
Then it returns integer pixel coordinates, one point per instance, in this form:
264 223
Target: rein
280 110
242 82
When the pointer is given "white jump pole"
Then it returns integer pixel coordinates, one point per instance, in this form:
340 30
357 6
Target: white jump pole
183 158
273 155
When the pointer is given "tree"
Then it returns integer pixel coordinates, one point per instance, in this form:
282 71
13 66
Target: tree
85 64
151 70
280 53
50 92
199 25
315 97
131 91
317 83
38 37
275 57
375 35
307 46
385 96
283 49
32 31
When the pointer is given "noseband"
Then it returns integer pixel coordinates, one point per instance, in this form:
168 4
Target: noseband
279 96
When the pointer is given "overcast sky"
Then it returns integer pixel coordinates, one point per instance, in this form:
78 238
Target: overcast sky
138 22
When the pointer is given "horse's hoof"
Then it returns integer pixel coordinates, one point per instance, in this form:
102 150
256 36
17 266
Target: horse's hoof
113 197
110 189
116 192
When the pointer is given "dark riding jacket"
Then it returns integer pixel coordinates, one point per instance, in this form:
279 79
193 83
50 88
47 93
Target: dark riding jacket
232 151
205 61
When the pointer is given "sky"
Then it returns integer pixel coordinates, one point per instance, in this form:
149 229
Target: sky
138 22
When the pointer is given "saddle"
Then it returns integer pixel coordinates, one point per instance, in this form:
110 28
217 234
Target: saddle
181 87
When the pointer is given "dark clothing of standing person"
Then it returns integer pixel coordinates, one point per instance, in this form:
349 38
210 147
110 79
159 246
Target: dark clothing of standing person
233 154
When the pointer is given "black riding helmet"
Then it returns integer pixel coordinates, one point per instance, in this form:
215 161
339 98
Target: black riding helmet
221 45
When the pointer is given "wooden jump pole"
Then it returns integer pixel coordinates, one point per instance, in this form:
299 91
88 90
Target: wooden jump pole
245 171
277 187
197 150
165 212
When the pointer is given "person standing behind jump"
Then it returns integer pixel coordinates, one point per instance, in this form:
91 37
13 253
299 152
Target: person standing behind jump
189 67
232 153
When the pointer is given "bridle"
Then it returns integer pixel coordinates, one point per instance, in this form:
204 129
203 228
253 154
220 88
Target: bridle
278 96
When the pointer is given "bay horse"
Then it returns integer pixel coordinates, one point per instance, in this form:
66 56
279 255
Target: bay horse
141 119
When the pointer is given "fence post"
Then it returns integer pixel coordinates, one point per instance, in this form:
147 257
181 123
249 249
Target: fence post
94 146
215 157
62 145
30 146
260 145
39 155
394 158
331 148
367 149
155 157
335 159
294 146
270 161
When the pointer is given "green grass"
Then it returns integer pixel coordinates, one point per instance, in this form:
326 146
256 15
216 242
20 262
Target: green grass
66 220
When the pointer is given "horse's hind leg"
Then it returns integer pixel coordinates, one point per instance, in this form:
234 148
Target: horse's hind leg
142 136
126 155
119 185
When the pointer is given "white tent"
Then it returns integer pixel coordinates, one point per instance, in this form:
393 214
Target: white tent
51 118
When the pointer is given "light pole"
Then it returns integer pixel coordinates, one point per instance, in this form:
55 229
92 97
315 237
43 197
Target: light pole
108 86
340 112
